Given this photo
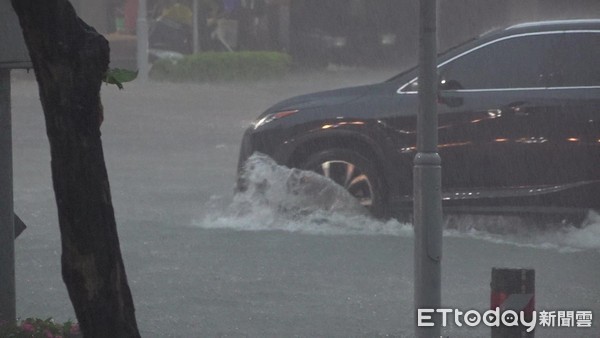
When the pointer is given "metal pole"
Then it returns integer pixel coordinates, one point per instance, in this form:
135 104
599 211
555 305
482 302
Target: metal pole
427 173
142 42
195 35
513 290
7 229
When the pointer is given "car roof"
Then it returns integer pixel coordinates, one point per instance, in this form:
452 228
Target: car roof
580 24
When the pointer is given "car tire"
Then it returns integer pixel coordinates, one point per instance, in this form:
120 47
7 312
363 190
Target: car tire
354 172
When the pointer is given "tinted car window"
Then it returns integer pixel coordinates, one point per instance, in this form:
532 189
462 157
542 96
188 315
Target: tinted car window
517 62
579 61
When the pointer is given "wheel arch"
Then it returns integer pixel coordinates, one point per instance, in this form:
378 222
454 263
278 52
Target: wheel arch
344 140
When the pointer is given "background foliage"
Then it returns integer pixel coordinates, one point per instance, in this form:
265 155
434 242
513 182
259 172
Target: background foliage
222 66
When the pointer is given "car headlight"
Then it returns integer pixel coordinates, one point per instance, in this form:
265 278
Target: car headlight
388 39
271 117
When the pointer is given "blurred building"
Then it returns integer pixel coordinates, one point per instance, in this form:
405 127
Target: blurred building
323 31
386 31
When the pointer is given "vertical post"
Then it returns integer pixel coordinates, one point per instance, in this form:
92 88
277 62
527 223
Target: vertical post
284 25
7 232
514 290
427 179
142 42
195 23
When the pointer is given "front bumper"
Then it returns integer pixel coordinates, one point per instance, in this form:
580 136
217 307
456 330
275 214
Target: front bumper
246 150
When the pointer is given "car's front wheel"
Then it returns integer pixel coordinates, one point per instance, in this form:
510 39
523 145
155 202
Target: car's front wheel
352 171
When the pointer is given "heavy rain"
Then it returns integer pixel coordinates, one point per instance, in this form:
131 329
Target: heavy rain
294 255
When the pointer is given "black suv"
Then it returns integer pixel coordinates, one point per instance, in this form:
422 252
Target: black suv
519 126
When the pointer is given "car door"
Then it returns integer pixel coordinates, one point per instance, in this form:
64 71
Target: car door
577 84
575 87
493 114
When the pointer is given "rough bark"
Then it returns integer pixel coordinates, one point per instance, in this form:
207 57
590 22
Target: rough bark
70 59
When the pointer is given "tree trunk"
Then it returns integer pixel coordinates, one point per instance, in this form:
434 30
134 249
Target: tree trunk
70 59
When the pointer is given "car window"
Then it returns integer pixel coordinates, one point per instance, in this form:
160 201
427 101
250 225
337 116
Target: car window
579 61
516 62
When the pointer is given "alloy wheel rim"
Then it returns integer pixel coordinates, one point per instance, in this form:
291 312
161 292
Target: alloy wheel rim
351 178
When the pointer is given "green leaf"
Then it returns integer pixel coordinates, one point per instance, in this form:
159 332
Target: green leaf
118 76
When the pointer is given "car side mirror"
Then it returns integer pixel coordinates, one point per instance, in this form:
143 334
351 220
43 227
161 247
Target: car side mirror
445 96
450 100
449 85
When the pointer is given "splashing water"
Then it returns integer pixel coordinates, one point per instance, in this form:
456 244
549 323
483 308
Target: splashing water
520 232
279 198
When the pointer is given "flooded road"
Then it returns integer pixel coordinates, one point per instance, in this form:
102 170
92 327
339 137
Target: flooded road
203 263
